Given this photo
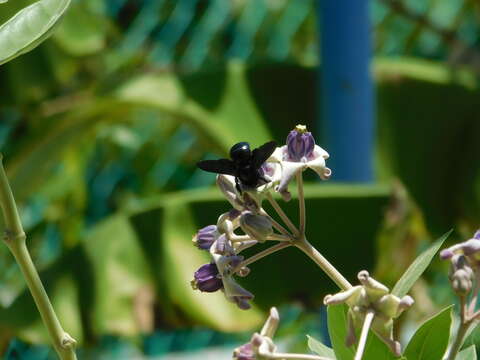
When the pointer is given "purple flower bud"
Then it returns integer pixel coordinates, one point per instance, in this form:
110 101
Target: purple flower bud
244 352
206 278
205 237
446 254
300 144
477 235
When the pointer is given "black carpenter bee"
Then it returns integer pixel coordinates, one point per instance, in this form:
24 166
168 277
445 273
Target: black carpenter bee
244 164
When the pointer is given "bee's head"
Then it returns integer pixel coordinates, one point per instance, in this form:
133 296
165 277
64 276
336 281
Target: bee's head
240 152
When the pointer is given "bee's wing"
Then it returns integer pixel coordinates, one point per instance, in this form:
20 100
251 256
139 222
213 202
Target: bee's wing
262 153
220 166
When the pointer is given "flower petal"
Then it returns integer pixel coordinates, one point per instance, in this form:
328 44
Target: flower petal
277 155
226 183
317 164
289 170
319 152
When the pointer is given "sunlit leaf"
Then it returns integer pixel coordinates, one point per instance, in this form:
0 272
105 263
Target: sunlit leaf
469 353
319 348
416 269
180 260
29 27
81 31
120 274
431 339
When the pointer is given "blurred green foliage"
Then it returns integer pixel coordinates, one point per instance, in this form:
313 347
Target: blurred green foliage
101 128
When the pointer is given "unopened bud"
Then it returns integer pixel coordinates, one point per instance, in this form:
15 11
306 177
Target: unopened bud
258 227
244 352
205 237
300 144
207 278
461 275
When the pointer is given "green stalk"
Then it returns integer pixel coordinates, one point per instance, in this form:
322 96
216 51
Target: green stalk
14 238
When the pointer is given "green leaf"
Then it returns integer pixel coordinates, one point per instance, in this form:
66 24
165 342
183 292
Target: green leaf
473 337
431 339
416 269
81 32
119 276
223 118
337 328
469 353
29 27
320 349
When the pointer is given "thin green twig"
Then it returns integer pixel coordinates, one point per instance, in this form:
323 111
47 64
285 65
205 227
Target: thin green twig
15 237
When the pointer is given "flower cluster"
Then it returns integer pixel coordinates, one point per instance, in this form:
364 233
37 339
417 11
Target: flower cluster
464 265
221 241
371 296
247 214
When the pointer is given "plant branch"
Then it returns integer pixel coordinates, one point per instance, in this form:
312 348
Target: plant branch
264 253
301 203
15 238
275 224
279 237
282 214
363 336
465 322
476 289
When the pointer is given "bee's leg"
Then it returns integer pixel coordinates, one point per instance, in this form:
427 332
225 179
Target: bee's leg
237 185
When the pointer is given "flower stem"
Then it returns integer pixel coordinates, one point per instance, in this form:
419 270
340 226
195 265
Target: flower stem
363 336
323 263
301 203
264 253
459 338
279 237
15 238
282 214
275 224
476 289
465 322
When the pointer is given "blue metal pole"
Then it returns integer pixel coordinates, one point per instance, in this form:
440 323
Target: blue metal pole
347 89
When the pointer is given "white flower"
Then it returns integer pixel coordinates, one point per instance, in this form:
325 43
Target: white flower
297 155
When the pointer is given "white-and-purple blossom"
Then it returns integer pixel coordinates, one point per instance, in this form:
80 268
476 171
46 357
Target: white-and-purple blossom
297 155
